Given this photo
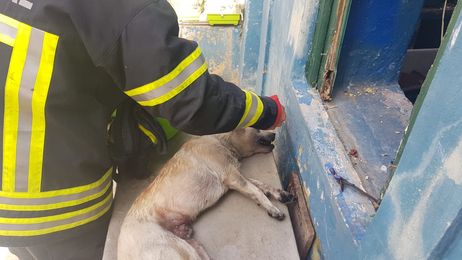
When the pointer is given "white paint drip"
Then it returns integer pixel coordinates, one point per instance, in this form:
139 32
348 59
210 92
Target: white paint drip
453 165
455 36
302 13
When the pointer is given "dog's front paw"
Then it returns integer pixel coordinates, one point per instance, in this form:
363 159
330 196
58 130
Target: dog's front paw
286 197
277 214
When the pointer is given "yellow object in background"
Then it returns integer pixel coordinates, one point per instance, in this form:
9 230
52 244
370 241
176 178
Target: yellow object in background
223 19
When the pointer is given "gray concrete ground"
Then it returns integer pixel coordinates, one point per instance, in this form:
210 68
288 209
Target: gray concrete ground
236 228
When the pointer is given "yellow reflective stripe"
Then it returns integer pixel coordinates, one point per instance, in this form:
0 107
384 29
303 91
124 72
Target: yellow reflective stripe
253 110
9 21
54 193
11 114
248 105
53 229
54 218
258 112
148 133
173 74
177 90
6 40
55 205
39 97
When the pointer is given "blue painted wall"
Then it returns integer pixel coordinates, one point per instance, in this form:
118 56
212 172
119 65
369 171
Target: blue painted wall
252 35
377 37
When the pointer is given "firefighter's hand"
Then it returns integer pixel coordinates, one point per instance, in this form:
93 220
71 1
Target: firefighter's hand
281 114
282 119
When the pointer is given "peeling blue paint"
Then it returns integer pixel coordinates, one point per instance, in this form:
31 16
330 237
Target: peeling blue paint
376 39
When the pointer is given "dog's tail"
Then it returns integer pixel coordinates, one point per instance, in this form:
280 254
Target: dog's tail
143 240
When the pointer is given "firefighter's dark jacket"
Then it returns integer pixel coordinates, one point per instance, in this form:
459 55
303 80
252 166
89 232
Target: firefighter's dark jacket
65 65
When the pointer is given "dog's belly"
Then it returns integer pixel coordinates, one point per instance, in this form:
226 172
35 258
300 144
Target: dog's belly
143 240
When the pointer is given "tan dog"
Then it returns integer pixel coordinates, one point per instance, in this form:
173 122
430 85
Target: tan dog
159 223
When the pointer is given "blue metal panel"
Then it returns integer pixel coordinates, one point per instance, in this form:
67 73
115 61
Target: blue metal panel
377 36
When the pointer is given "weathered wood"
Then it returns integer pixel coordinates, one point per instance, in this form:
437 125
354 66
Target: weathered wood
300 216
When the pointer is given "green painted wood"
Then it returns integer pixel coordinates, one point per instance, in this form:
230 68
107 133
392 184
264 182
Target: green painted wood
332 47
319 39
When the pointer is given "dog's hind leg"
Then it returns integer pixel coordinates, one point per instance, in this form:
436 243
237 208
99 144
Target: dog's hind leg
239 183
271 192
199 248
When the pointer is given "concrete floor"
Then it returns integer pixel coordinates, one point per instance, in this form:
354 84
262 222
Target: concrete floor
236 228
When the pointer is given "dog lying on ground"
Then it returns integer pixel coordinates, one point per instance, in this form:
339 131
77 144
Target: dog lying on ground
159 223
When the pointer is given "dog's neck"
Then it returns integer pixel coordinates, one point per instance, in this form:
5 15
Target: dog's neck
226 142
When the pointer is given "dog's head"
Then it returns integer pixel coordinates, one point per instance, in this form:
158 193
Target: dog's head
249 141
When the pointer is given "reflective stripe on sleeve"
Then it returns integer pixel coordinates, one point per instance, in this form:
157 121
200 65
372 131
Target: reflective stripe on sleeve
7 34
8 30
170 85
253 110
9 21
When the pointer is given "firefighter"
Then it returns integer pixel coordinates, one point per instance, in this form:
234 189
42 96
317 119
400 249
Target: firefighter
65 65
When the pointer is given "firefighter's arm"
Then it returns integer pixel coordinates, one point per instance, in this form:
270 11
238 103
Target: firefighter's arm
168 76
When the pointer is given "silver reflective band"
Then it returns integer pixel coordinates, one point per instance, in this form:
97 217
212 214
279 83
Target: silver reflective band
26 90
252 111
8 30
172 84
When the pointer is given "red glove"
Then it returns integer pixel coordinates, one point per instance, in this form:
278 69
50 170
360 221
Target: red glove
281 115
